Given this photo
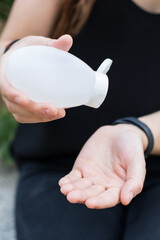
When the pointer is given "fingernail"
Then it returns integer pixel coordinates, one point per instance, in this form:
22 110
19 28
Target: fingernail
61 113
130 197
17 100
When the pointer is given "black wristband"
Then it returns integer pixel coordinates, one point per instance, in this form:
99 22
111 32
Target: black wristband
9 45
143 127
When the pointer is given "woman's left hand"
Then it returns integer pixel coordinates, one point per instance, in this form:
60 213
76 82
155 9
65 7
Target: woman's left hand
109 169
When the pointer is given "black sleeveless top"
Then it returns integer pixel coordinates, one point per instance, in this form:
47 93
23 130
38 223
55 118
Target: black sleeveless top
120 30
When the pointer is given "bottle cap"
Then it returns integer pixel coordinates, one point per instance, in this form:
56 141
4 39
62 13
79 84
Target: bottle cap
101 85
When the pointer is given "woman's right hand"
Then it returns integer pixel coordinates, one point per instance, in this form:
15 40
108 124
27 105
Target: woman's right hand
23 109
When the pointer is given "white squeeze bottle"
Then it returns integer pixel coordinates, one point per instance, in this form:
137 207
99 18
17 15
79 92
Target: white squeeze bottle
49 75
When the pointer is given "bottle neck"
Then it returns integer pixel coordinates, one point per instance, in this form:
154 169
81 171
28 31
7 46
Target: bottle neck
100 90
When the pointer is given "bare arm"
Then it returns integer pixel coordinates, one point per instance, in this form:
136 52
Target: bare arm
30 18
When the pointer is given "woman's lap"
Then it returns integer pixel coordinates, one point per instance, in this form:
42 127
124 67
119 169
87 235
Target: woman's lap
43 213
143 214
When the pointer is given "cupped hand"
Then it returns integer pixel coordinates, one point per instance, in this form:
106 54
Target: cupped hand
23 109
109 169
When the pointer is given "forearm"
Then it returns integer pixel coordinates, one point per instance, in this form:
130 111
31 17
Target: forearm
29 18
153 122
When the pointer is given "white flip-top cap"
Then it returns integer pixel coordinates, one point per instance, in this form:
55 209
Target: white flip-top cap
101 85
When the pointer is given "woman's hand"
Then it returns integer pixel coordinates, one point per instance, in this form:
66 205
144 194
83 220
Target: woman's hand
23 109
109 169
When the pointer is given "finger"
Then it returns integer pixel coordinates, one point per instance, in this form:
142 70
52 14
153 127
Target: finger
107 199
22 119
13 95
35 109
135 180
80 196
16 108
131 188
36 119
42 110
64 42
74 175
23 116
7 90
79 184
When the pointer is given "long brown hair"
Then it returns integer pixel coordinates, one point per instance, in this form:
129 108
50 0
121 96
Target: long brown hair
72 16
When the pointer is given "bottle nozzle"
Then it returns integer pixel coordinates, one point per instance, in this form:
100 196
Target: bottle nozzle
105 66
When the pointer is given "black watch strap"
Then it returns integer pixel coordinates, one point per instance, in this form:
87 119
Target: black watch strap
9 45
142 126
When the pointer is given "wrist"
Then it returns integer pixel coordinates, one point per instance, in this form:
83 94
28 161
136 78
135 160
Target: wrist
136 130
144 138
144 131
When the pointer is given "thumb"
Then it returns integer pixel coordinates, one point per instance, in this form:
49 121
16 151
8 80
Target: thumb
64 43
135 179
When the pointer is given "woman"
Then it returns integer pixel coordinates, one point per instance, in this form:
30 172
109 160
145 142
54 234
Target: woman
111 167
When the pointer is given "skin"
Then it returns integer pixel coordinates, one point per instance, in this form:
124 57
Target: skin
152 6
23 109
110 168
25 23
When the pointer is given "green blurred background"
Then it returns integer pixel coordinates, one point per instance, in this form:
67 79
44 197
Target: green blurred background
5 6
7 122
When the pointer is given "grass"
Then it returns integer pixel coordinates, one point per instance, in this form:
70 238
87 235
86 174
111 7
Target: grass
5 6
7 122
7 130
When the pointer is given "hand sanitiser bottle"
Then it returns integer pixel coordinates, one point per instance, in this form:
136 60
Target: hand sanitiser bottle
50 75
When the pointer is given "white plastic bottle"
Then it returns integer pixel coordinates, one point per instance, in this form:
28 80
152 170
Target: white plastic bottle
46 74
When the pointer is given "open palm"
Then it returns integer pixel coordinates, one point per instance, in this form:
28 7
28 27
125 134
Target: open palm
109 169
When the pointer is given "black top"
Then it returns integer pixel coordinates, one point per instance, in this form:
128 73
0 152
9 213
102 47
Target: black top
120 30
